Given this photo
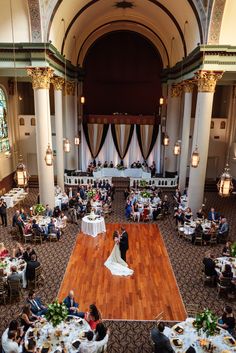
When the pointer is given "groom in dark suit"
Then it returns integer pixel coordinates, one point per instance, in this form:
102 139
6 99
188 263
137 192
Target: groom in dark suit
124 243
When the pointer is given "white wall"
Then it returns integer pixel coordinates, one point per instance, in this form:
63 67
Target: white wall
227 33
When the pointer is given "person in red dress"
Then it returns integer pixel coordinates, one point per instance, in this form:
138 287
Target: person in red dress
93 317
3 251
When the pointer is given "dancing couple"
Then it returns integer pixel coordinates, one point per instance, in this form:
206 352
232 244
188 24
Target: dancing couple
116 262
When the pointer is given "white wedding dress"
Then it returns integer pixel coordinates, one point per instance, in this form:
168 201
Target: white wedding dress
116 265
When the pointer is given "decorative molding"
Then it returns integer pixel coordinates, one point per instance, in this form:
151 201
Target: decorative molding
206 80
176 91
69 88
58 83
41 77
188 86
35 20
216 21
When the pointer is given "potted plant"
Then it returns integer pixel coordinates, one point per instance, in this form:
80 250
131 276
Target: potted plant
207 322
143 183
39 209
57 313
91 193
145 194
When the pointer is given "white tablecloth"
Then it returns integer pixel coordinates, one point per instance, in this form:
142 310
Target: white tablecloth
14 196
222 261
190 337
93 228
128 172
8 262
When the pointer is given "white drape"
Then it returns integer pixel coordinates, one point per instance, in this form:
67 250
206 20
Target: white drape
108 151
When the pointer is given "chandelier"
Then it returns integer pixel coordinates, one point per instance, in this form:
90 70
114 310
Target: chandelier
49 156
177 148
166 140
225 185
67 146
21 174
195 159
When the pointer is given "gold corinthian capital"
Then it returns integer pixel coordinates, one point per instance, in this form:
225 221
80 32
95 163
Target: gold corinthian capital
69 88
176 90
58 83
206 80
188 86
40 76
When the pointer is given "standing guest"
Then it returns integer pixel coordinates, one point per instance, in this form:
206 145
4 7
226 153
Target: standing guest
30 268
227 249
91 346
29 251
14 276
48 211
93 316
82 193
212 215
23 215
160 340
36 305
18 250
227 320
72 306
15 217
223 230
3 251
177 196
3 212
70 193
100 332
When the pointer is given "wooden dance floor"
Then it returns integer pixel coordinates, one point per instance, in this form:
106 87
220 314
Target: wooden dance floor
150 290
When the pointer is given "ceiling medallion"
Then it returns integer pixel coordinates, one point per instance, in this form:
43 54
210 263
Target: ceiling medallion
124 4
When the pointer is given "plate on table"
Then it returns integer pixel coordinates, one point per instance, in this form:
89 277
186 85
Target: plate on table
177 342
230 341
178 329
82 335
225 351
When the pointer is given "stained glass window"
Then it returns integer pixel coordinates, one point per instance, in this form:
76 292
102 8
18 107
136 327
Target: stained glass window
4 141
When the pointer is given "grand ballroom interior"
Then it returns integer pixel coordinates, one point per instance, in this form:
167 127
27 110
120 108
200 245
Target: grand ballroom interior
117 176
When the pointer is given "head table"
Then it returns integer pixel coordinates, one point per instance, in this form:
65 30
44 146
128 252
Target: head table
184 335
63 336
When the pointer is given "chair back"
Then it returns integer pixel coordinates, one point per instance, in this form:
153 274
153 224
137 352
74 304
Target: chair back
14 289
192 309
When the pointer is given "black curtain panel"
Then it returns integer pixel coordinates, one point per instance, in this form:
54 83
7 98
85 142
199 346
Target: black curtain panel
147 136
117 132
95 135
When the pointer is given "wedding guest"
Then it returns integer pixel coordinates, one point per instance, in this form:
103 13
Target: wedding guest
210 265
3 212
62 221
111 165
15 217
72 306
179 217
27 318
135 212
15 276
48 211
29 251
198 232
38 230
100 332
227 249
90 345
227 273
52 228
36 305
56 212
177 196
188 214
223 230
160 340
23 215
105 165
30 268
227 320
212 215
128 209
64 202
93 316
200 213
9 344
31 346
13 327
3 251
18 250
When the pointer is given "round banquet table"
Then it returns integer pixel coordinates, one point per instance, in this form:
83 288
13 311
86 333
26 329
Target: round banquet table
189 337
8 262
93 227
222 261
71 330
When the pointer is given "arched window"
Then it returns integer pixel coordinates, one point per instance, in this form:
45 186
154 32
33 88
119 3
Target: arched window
32 122
4 141
22 121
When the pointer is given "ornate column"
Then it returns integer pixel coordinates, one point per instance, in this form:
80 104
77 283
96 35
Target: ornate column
41 83
206 82
70 123
172 126
188 92
58 83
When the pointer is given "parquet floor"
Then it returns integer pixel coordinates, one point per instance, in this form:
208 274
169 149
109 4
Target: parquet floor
144 295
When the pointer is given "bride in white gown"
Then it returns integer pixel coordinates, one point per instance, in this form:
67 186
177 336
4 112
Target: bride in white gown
115 263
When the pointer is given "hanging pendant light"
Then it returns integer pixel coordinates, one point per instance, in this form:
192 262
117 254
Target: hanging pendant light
21 175
77 140
82 99
161 101
195 159
225 185
166 140
177 148
49 156
67 146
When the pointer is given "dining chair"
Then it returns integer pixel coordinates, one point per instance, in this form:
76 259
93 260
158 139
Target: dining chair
38 278
15 291
192 309
223 286
3 291
198 239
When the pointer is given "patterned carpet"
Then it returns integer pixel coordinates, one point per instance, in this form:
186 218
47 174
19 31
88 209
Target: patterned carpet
186 260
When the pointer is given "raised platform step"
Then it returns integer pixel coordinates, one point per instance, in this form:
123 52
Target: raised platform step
120 183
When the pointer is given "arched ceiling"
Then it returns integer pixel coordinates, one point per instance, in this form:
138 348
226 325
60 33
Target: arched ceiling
174 27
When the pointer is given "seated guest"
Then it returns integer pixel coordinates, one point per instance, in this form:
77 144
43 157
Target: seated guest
133 165
10 344
107 185
200 214
210 265
28 227
23 215
18 250
105 165
3 251
128 209
198 232
48 211
156 198
72 203
15 217
188 214
223 230
208 234
27 318
28 253
36 305
93 317
30 346
177 196
165 204
100 332
99 164
212 215
138 165
153 169
14 276
227 320
62 221
179 217
64 202
30 268
135 212
160 340
111 165
38 230
88 207
56 212
90 345
52 229
227 273
13 327
227 249
72 306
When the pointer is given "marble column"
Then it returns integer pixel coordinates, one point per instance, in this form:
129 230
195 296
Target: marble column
172 126
188 92
206 82
58 83
41 83
70 123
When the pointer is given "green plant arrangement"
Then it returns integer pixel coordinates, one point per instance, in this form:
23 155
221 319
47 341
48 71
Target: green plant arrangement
91 193
3 265
206 321
56 313
39 209
143 183
233 250
145 194
120 167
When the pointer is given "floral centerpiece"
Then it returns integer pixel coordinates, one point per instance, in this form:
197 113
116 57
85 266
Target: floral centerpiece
56 313
39 209
233 250
3 265
206 321
143 183
120 167
91 193
145 194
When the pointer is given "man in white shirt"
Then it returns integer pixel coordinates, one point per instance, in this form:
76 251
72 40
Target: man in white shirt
90 346
9 344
